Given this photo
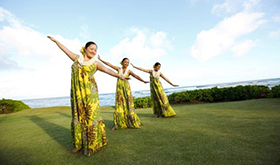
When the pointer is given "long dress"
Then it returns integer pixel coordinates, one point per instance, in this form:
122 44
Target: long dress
87 126
124 115
160 101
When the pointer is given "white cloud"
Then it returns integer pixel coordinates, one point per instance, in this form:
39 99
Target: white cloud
213 42
274 34
6 63
242 48
233 6
221 38
32 65
142 45
276 18
10 18
229 6
84 31
27 42
250 4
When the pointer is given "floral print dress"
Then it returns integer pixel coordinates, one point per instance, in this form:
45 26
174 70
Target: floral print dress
87 126
124 115
160 101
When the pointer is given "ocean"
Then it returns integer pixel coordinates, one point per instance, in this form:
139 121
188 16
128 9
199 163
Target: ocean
108 99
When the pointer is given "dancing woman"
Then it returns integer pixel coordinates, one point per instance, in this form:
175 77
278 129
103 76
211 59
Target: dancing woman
87 126
124 115
161 106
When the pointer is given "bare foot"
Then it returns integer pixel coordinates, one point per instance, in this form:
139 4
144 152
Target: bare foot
114 128
74 150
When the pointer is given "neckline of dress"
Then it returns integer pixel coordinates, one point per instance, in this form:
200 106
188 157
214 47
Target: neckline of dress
121 72
82 61
156 74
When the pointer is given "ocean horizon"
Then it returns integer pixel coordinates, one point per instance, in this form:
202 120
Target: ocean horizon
108 99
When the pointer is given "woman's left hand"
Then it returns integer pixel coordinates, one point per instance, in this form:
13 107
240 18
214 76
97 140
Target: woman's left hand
99 58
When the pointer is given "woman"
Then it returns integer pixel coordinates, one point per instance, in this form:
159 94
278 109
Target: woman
161 106
124 115
87 126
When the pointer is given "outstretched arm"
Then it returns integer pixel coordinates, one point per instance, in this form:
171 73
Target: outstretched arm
166 79
107 63
102 68
70 54
137 77
144 70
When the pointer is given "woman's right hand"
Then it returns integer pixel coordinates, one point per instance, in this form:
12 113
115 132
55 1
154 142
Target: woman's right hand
121 77
124 78
51 38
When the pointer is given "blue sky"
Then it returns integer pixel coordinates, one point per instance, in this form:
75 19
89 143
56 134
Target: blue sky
197 41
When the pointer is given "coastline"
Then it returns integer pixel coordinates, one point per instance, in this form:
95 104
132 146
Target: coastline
108 99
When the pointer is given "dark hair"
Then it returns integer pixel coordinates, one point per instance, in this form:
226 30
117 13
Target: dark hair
156 64
89 43
124 59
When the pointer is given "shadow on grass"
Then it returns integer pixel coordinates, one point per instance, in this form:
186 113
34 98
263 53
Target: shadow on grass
149 115
109 123
64 114
60 134
107 112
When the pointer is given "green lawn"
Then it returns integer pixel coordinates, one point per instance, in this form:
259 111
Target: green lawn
243 132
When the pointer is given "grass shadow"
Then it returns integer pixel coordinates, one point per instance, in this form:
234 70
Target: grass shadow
109 123
64 114
107 112
58 133
149 115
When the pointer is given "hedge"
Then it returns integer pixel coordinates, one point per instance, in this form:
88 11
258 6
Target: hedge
9 106
142 102
215 95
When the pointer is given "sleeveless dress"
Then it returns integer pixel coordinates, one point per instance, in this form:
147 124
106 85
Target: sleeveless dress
124 115
87 126
160 101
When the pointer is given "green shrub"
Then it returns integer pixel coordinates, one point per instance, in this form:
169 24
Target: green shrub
216 95
9 106
179 97
142 102
275 91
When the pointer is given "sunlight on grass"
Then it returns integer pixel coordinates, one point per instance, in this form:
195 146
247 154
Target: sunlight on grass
242 132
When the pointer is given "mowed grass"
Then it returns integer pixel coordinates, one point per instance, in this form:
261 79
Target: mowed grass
242 132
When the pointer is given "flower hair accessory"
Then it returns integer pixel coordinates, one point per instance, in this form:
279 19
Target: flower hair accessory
83 50
121 63
154 66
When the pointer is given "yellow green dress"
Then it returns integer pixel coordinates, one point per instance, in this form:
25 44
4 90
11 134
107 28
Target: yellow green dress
124 115
87 126
160 101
